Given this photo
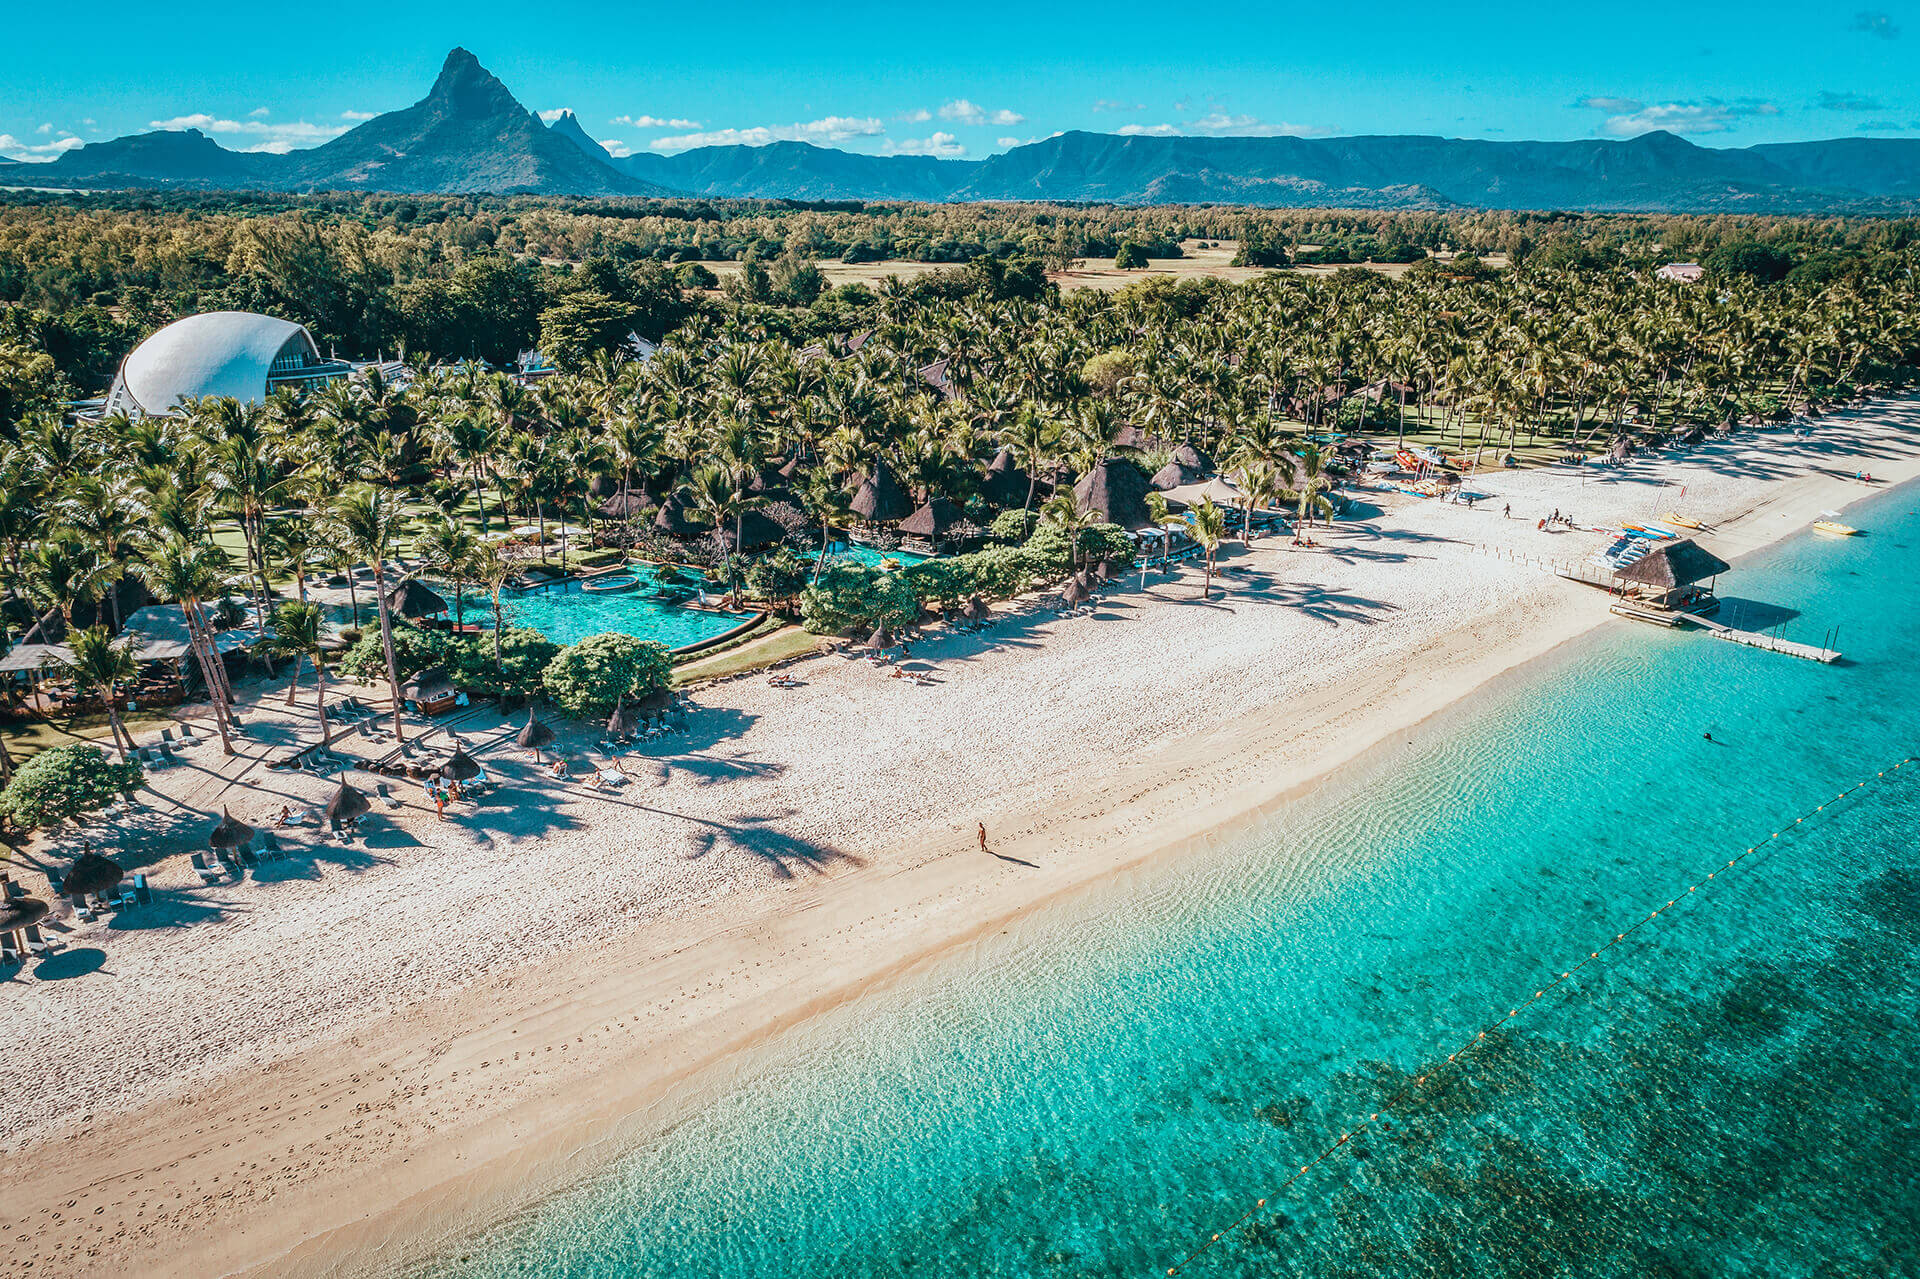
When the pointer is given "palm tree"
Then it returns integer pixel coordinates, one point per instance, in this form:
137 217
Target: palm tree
99 663
447 547
298 629
714 498
63 572
827 502
369 521
487 567
1209 525
1309 485
188 574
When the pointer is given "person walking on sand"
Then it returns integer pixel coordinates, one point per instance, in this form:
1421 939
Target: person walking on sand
983 836
1506 512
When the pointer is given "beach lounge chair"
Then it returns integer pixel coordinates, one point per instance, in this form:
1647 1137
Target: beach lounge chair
393 801
84 909
247 858
166 734
208 873
142 893
36 940
9 949
144 755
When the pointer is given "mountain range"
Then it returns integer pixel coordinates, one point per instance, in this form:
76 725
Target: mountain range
469 135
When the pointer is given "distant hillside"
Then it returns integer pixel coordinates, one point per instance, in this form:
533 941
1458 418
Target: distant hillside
469 135
801 171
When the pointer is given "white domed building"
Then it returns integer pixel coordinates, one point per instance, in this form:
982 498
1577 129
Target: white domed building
232 353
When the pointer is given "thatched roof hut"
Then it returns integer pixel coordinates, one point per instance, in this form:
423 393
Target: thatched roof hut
1191 458
881 638
346 805
656 700
1673 566
1075 592
533 735
1006 483
932 520
428 684
1116 491
91 873
229 832
460 766
754 531
880 499
626 506
672 518
1173 475
411 598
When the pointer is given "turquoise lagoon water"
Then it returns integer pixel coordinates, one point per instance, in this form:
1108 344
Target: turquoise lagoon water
871 557
570 614
1095 1092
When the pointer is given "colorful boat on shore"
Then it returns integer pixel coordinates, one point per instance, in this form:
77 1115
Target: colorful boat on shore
1834 527
1680 521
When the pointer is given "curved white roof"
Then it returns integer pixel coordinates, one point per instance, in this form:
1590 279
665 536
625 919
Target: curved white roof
218 353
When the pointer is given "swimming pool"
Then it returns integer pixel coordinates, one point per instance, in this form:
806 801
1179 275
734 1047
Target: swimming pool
872 557
566 614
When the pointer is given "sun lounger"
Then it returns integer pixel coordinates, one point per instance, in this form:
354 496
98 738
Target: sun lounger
612 776
84 909
9 949
208 873
36 941
381 790
142 894
166 734
144 755
247 858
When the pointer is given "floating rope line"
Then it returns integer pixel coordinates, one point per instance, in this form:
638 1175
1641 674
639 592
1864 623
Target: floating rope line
1387 1107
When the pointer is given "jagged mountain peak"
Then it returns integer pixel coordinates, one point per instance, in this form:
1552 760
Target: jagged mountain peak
568 126
465 88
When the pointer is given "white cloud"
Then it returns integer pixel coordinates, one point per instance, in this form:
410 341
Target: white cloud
292 133
358 115
1006 118
1007 142
919 115
1219 124
37 152
44 129
1114 104
1629 117
258 113
548 117
833 128
654 122
940 144
961 111
616 148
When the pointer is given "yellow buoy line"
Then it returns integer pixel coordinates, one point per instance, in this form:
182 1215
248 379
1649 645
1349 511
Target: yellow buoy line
1453 1058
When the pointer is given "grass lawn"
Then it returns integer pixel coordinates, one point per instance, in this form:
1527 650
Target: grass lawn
788 641
25 740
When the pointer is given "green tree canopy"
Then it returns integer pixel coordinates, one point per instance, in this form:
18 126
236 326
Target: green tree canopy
588 677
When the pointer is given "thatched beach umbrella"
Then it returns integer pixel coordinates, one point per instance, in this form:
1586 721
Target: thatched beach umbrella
533 736
231 832
1076 593
656 701
92 873
346 805
882 638
21 912
460 766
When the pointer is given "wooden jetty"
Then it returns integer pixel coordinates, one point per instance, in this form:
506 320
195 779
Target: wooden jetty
1759 639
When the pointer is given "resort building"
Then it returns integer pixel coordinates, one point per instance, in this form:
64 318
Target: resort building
232 353
1682 272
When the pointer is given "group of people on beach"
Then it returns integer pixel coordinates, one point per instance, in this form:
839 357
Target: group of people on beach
442 792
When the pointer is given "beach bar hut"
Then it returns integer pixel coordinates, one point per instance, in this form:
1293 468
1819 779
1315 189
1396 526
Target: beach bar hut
412 598
1670 575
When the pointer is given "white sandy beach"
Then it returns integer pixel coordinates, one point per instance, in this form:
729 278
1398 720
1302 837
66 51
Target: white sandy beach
319 1067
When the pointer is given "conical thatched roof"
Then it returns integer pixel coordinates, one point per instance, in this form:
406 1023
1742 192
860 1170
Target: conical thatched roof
672 519
346 804
411 598
1172 476
1673 564
881 637
230 832
880 499
426 683
656 700
755 532
460 766
91 873
933 519
768 479
20 912
626 506
1107 571
1006 483
533 735
602 486
1116 491
1191 458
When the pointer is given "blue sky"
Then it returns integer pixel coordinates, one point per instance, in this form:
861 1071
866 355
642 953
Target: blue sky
972 80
